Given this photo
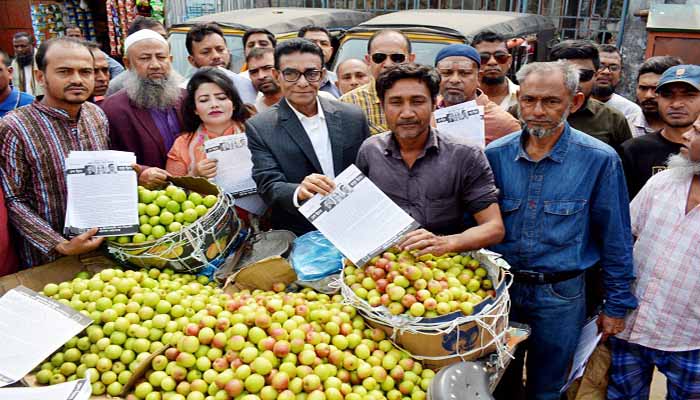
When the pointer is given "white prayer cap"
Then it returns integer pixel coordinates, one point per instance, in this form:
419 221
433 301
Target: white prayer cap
143 34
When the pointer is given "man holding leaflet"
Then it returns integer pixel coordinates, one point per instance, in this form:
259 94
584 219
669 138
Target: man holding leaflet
433 179
304 141
34 142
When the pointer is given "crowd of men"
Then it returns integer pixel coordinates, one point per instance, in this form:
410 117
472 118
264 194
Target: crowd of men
551 192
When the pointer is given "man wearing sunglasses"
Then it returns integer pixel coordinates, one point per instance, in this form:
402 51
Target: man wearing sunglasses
385 48
301 143
606 80
495 63
458 66
593 117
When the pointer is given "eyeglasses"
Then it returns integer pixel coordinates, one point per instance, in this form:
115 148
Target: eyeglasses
293 75
585 75
379 58
610 67
500 56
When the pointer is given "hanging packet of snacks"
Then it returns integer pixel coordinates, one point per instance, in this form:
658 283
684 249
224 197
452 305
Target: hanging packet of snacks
79 14
120 14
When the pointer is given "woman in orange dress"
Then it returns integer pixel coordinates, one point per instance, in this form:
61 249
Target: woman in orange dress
212 109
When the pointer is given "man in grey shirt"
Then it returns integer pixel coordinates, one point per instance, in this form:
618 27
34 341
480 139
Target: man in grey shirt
435 180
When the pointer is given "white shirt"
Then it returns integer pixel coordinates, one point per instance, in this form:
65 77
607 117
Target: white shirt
317 131
260 103
28 77
631 110
511 98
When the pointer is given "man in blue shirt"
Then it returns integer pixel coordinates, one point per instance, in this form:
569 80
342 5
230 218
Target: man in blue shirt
565 208
10 97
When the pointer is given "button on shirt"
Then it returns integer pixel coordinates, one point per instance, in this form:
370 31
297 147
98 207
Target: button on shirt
567 211
667 265
317 131
446 181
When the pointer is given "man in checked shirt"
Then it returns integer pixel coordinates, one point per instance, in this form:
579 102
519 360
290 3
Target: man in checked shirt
664 331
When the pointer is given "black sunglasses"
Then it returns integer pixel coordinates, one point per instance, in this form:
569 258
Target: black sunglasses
501 57
585 75
293 75
379 58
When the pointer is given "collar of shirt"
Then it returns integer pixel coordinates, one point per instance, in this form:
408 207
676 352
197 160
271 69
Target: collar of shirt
557 153
640 121
11 102
54 112
372 91
320 116
591 107
511 98
391 145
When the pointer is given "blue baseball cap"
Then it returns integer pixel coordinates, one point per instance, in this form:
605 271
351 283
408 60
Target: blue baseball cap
459 50
687 73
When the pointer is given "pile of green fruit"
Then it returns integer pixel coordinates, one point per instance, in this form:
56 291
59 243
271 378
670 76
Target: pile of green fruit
426 286
167 211
249 346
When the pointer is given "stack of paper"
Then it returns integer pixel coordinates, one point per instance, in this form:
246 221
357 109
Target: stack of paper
234 170
102 193
462 123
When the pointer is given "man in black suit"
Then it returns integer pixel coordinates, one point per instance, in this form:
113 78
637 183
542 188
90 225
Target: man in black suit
300 144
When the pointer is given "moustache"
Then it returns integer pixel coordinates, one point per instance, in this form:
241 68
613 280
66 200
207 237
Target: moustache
408 122
649 103
72 87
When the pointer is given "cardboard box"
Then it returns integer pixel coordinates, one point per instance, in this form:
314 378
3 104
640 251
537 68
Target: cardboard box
61 270
261 275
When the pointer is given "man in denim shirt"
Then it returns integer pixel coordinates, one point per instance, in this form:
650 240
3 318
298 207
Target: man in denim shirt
565 208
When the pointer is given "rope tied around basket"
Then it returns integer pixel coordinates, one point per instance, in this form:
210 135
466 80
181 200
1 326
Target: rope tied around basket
495 312
166 248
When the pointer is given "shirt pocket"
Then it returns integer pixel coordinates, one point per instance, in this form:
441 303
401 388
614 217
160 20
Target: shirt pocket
443 215
509 208
563 222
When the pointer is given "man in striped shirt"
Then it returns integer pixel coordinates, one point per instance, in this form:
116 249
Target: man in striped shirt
34 142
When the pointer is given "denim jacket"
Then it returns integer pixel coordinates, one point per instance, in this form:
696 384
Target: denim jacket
566 212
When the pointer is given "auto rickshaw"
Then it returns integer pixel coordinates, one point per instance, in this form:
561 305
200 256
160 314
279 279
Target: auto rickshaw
284 23
527 35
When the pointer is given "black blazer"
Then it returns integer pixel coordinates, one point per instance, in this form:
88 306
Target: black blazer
283 155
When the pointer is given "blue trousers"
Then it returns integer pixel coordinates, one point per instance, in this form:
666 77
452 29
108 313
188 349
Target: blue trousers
555 313
633 365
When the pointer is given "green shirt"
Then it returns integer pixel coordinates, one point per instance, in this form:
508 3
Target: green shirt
602 122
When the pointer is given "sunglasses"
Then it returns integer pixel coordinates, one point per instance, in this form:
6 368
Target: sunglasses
585 75
293 75
501 57
397 58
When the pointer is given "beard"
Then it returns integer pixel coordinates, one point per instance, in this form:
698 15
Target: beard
153 93
270 87
541 133
25 59
456 98
603 91
682 166
489 80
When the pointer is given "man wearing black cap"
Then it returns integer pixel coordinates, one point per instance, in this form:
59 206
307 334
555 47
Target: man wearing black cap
432 178
458 66
678 98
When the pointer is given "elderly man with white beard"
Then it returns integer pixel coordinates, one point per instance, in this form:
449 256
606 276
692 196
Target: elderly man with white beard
144 116
663 332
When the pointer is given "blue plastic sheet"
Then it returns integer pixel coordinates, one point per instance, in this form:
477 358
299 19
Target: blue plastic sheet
313 257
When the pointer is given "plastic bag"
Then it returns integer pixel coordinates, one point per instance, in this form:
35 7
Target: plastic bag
314 257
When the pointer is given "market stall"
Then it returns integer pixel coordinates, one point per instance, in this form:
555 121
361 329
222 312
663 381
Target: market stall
184 304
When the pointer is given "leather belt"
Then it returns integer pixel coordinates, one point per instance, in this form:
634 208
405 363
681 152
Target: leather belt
542 278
